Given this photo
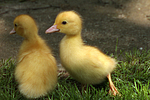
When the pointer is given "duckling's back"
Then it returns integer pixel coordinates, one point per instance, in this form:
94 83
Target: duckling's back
36 71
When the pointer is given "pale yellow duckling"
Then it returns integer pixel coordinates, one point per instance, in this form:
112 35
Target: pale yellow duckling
86 64
36 71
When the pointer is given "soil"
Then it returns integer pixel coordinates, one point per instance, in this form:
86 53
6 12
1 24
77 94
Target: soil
107 23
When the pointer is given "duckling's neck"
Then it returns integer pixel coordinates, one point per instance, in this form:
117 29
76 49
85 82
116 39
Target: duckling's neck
31 38
34 41
75 40
70 44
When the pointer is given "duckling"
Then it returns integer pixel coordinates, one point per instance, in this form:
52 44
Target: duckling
86 64
36 70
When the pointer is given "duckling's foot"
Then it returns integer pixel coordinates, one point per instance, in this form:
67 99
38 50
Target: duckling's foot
113 90
62 73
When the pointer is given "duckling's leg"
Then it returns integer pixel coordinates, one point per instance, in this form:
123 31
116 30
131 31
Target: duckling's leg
113 89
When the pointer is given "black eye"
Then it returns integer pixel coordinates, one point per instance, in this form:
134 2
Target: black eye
15 25
64 22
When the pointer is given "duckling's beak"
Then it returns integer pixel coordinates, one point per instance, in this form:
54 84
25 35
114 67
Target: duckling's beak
12 31
52 29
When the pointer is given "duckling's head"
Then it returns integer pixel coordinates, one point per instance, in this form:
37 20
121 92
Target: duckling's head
24 25
67 22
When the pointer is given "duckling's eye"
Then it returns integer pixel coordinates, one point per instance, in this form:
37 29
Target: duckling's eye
64 22
15 25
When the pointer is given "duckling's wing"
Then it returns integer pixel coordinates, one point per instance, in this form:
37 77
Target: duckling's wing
98 59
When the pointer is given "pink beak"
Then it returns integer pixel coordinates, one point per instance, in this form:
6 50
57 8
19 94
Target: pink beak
12 31
52 29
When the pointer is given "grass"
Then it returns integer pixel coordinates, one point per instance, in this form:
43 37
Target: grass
131 77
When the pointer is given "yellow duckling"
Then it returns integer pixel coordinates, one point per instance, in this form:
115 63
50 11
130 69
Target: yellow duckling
36 71
86 64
